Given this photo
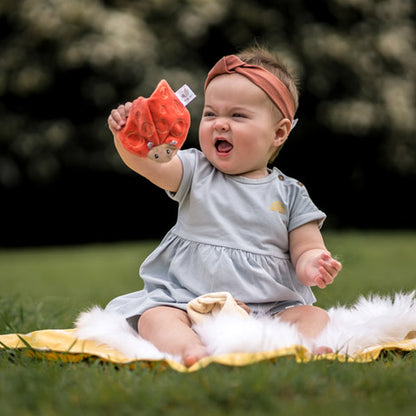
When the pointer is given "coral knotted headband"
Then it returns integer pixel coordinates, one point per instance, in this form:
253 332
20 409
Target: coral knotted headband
270 84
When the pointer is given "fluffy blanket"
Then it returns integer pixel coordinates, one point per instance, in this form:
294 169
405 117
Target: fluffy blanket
358 333
370 323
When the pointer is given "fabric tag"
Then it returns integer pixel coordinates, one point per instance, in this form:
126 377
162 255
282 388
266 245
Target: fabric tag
185 95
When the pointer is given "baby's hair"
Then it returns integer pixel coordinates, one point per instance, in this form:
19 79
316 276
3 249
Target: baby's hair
260 56
257 55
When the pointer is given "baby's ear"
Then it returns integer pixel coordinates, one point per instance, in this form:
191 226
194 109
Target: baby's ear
283 128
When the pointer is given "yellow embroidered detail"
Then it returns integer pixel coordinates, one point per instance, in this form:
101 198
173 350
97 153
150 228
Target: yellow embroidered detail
278 207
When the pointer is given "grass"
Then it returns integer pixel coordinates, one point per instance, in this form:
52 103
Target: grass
47 288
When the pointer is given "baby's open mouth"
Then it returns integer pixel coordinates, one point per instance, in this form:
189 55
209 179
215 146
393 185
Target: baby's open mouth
223 146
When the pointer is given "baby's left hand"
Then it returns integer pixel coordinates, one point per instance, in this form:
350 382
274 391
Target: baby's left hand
321 270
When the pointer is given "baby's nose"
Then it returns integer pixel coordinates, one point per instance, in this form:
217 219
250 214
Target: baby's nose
221 124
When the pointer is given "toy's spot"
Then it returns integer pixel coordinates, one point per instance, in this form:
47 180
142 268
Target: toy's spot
178 128
137 115
162 110
162 126
178 107
277 206
132 137
164 92
147 129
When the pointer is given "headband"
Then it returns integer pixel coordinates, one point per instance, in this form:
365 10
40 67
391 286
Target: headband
270 84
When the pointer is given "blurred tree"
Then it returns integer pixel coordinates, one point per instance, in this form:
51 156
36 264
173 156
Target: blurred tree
369 85
62 64
66 63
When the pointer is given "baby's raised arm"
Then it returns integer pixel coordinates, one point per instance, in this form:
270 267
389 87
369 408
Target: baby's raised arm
167 176
313 263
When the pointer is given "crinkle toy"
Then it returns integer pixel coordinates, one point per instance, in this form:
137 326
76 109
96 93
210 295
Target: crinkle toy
156 126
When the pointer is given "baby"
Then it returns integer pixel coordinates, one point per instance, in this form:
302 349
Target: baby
242 227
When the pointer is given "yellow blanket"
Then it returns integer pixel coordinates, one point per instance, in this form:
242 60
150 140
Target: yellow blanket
62 345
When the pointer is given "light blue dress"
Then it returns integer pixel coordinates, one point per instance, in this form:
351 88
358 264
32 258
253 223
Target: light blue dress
232 234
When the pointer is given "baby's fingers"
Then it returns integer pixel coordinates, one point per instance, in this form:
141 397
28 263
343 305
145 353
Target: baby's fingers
331 265
118 117
324 278
320 282
113 125
125 110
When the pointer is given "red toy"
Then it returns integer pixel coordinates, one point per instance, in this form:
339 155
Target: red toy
157 126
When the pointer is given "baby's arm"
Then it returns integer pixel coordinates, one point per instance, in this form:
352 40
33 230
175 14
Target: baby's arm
167 176
313 263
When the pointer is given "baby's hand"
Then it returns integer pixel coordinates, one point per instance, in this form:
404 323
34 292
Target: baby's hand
118 117
321 270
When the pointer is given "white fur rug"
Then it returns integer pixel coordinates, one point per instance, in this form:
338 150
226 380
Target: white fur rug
370 321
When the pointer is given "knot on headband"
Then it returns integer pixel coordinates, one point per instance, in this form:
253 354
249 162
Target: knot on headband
269 83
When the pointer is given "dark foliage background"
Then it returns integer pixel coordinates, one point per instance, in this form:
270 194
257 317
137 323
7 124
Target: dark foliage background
64 64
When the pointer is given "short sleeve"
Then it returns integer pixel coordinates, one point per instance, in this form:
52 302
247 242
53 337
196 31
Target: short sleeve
302 209
188 159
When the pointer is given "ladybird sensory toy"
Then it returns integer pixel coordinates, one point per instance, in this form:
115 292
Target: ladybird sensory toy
157 126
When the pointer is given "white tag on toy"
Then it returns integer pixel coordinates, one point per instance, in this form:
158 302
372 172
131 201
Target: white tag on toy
185 95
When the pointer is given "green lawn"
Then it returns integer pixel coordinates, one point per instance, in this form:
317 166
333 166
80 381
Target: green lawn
47 288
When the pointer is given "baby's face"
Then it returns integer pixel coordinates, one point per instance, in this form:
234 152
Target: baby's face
238 129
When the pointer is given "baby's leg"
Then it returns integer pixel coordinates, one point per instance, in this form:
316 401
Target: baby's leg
169 329
310 321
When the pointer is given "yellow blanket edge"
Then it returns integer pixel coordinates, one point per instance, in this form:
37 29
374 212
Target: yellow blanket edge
63 345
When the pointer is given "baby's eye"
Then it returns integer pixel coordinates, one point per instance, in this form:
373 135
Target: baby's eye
209 114
239 115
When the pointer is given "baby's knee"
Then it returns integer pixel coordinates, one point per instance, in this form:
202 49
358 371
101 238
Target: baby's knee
309 312
315 310
146 320
152 317
315 313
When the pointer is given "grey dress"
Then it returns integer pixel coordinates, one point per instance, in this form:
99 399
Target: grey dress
232 234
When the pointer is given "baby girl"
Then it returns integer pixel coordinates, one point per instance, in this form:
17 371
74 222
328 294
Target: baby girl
242 227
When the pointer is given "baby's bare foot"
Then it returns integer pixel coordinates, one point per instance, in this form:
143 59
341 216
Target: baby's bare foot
322 350
193 354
